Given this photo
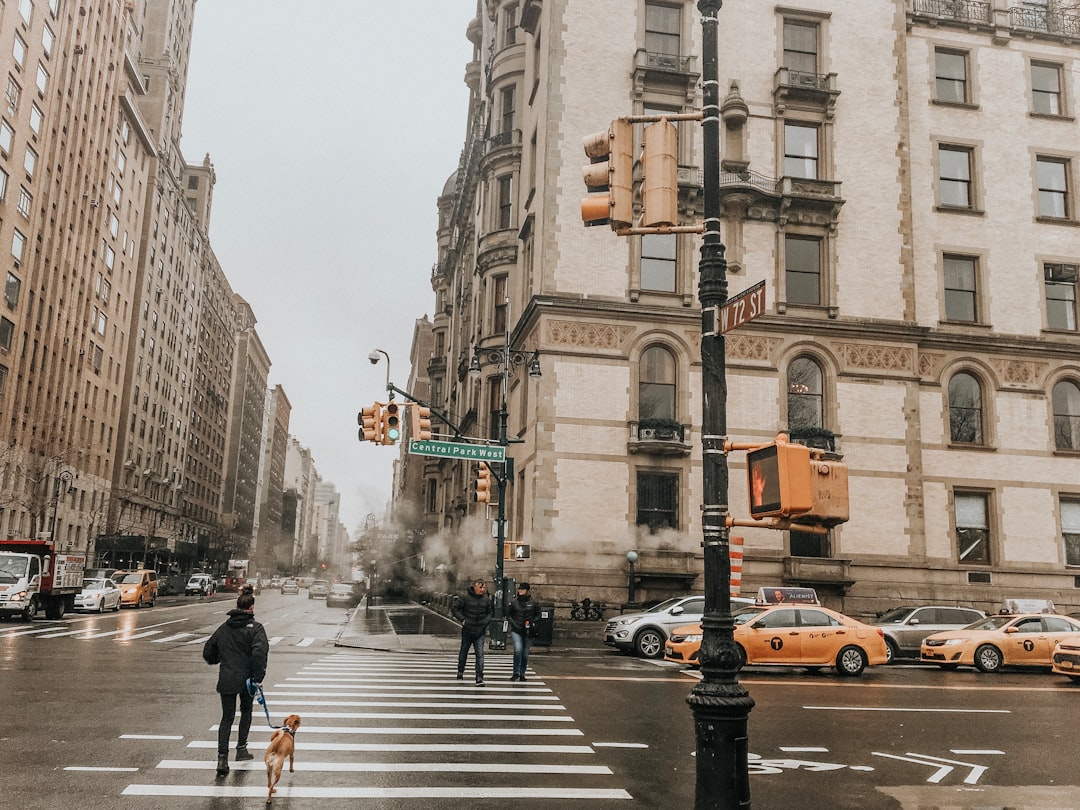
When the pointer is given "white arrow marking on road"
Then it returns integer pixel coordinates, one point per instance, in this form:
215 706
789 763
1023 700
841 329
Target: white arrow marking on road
944 766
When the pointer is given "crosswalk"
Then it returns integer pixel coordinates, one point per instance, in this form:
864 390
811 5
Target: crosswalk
161 633
392 726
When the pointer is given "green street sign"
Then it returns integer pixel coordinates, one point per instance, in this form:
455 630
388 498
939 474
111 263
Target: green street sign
469 452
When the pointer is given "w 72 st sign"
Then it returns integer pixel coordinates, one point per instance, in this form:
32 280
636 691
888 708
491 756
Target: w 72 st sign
736 311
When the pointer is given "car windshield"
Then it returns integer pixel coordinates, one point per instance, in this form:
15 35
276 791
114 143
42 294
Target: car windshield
894 616
745 614
12 568
130 579
345 589
990 623
93 584
665 605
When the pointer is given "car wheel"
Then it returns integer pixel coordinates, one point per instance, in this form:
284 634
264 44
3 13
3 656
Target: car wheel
1073 678
988 658
850 661
891 652
139 603
101 605
741 654
116 607
30 612
649 643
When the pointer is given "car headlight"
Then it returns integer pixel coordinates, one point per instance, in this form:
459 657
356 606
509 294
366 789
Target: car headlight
952 642
695 637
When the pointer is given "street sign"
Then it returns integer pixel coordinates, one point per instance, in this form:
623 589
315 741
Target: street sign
736 311
469 452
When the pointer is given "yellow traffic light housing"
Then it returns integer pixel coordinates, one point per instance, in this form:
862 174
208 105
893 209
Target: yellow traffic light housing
660 175
797 483
391 423
370 421
611 171
483 483
421 422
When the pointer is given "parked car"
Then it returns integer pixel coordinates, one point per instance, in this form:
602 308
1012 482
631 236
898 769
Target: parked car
290 586
1023 639
341 595
645 633
906 627
137 588
200 585
318 589
1065 660
98 593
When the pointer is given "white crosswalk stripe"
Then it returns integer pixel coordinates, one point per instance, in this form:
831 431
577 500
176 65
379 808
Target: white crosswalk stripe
392 726
91 632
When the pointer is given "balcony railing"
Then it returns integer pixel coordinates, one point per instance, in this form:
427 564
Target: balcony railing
769 185
965 10
664 61
1049 22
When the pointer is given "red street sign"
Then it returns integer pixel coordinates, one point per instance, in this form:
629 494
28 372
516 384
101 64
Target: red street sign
744 307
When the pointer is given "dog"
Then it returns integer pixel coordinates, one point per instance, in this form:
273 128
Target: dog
282 744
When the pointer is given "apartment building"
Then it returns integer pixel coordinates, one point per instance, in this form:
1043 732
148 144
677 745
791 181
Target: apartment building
900 174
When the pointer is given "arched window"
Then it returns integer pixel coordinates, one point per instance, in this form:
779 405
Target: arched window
656 384
804 396
1066 399
965 409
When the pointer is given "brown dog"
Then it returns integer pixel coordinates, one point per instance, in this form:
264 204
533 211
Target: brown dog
281 745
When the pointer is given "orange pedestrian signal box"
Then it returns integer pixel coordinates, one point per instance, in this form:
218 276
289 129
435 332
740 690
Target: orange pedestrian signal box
799 483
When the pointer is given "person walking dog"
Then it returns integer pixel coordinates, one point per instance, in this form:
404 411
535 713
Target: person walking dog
240 647
474 610
524 613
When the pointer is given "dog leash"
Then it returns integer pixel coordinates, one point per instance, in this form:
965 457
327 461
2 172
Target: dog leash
256 691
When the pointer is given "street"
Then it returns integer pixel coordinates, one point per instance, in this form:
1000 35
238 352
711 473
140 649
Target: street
118 710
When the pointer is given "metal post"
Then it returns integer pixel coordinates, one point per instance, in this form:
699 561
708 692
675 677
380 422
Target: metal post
631 558
719 704
498 635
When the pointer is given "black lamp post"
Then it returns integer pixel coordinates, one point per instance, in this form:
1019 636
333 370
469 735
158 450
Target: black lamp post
631 558
508 360
719 704
63 486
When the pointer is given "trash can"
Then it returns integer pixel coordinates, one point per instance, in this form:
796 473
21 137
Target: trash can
545 625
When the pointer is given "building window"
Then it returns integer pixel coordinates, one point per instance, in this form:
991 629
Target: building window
965 409
500 306
3 378
7 330
662 24
960 299
507 124
26 7
1046 89
7 134
803 269
505 203
800 151
30 163
972 527
35 118
1060 283
19 51
11 95
658 262
1052 177
47 39
509 25
658 501
954 173
432 496
656 384
802 544
25 199
804 394
42 79
800 46
1066 402
494 407
1070 523
950 69
11 290
3 184
18 244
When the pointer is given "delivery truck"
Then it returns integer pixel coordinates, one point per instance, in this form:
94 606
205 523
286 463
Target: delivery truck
35 578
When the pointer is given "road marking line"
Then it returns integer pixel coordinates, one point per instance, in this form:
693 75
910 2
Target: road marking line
975 751
30 632
433 716
433 732
200 640
431 748
102 769
464 792
806 749
398 767
177 637
138 635
903 709
276 640
151 737
128 630
619 745
306 642
944 766
65 633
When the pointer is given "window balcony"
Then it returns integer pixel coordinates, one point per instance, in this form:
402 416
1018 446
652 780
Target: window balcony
657 437
665 71
1045 21
962 11
799 199
813 571
807 91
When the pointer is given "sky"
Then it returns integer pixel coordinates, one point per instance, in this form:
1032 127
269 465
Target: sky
332 126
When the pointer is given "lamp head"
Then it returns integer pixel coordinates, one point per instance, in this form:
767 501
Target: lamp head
474 368
631 557
374 358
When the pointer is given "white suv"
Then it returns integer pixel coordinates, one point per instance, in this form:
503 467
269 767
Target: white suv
646 633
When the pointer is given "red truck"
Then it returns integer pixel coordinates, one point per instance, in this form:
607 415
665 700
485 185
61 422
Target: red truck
34 577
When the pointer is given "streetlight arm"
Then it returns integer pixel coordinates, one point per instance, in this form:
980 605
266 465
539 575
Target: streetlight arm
443 417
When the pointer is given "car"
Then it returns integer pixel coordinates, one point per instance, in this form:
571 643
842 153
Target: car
200 585
341 595
98 593
318 589
684 643
275 582
1005 639
1065 660
138 588
646 632
906 627
290 586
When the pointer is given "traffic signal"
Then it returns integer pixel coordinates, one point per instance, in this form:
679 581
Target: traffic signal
370 421
611 171
391 423
483 483
796 482
660 170
421 422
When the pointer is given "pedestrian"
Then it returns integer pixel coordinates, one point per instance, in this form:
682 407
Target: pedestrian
474 610
523 613
240 647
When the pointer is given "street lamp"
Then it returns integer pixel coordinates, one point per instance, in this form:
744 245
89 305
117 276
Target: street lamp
508 360
719 703
64 477
373 356
631 557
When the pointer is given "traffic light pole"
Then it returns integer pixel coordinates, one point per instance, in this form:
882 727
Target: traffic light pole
719 704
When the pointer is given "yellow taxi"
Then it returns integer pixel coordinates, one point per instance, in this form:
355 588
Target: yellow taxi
1007 639
1065 660
684 643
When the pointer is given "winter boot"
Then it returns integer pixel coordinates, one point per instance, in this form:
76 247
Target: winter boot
222 766
242 753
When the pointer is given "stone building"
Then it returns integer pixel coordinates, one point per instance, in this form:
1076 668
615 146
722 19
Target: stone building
900 174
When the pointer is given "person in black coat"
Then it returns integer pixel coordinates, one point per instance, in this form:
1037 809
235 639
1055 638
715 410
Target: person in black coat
523 613
474 610
240 647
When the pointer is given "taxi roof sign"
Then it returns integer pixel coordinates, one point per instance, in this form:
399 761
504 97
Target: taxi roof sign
787 596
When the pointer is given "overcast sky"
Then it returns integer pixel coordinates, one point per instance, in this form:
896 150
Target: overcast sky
332 126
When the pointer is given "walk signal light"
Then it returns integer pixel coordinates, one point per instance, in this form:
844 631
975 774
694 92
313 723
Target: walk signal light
660 175
421 422
370 421
483 483
798 483
611 171
391 423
